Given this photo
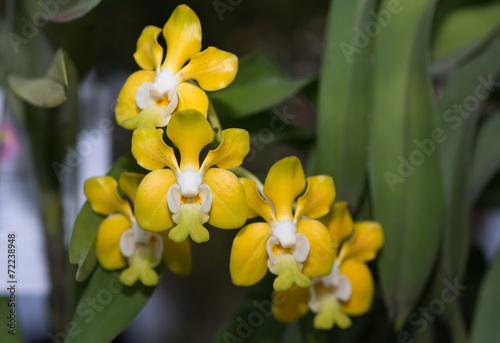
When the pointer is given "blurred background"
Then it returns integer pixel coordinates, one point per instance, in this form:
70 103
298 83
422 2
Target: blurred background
38 145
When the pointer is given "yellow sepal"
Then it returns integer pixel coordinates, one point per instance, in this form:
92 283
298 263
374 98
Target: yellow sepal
149 53
151 208
108 241
317 199
257 206
212 68
367 239
284 183
232 150
182 33
190 131
339 222
150 150
248 261
229 205
102 194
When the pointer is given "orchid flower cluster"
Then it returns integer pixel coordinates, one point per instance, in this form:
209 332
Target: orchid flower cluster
309 242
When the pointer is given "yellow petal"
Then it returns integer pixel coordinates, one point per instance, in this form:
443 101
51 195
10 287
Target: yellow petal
232 150
126 106
317 199
182 33
212 68
229 205
149 118
339 222
284 183
192 97
177 256
367 239
151 207
150 150
108 241
257 206
190 131
248 261
321 254
149 53
290 305
362 287
102 194
128 183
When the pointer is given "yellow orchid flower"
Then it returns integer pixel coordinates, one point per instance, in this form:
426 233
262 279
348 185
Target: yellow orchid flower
290 245
348 289
150 96
120 241
189 195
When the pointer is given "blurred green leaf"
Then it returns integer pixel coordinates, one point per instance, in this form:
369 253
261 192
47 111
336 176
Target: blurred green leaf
254 322
344 99
460 28
105 308
463 96
486 155
485 328
405 182
48 91
73 9
81 246
258 86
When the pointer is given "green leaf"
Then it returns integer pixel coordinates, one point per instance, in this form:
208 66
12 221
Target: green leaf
48 91
486 160
105 308
463 97
405 182
254 322
460 28
82 243
258 86
73 9
485 328
344 99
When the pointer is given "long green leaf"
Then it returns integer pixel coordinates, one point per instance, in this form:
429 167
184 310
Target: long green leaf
81 246
105 308
485 328
486 155
258 86
344 98
404 157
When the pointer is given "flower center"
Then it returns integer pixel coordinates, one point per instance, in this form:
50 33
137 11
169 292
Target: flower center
160 93
189 189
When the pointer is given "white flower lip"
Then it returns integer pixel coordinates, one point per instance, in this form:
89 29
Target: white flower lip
300 250
132 237
149 92
189 184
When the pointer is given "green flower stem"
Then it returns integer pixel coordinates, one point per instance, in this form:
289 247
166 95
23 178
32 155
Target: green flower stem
242 172
213 118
